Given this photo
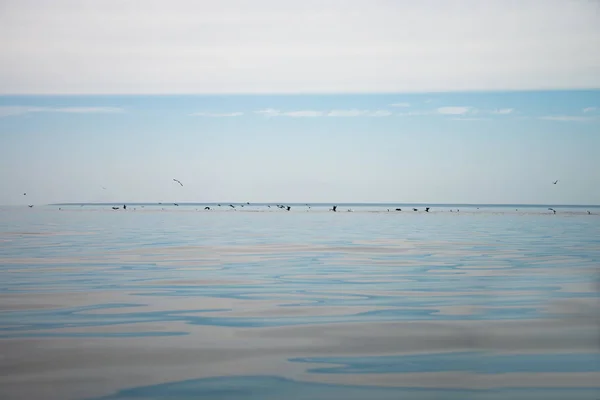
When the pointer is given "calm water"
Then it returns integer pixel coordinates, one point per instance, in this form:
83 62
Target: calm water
166 302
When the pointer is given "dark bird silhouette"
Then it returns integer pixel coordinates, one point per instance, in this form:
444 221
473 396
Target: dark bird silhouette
232 206
398 209
414 209
427 209
589 213
334 209
115 208
219 205
269 206
176 204
248 202
207 208
124 207
552 209
24 194
555 182
176 180
31 206
288 208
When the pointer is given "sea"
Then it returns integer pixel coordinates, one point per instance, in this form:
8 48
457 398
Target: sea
252 301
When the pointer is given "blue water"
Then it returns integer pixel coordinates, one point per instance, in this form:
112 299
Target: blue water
175 302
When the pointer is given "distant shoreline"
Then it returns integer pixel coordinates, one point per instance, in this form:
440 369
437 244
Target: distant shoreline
225 203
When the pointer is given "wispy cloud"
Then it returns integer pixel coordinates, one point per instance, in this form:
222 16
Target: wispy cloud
503 111
6 111
400 105
470 119
271 112
454 110
217 115
417 113
590 109
567 118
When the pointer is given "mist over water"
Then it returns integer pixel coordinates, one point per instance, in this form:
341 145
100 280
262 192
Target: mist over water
178 302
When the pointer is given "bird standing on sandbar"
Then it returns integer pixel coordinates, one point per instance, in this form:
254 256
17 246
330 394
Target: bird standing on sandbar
334 209
176 180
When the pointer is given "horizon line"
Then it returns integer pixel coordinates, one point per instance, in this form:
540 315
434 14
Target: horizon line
319 203
326 93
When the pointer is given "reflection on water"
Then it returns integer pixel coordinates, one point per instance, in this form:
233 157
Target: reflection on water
179 304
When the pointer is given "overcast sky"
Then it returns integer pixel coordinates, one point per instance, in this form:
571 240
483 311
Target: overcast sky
397 123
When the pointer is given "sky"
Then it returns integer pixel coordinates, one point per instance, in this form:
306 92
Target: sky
434 101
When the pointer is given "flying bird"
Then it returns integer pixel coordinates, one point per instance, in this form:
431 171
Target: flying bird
31 205
176 180
555 182
207 208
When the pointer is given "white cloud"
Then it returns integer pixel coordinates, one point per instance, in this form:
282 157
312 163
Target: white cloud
504 111
6 111
303 113
345 113
271 112
271 46
590 109
379 113
470 119
400 105
454 110
217 115
416 113
567 118
359 113
268 112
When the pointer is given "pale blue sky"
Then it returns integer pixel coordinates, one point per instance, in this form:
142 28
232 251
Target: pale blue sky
439 148
281 100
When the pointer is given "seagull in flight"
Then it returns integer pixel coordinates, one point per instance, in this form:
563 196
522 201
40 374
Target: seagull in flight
176 180
555 182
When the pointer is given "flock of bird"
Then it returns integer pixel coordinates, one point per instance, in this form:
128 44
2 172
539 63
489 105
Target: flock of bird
287 208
